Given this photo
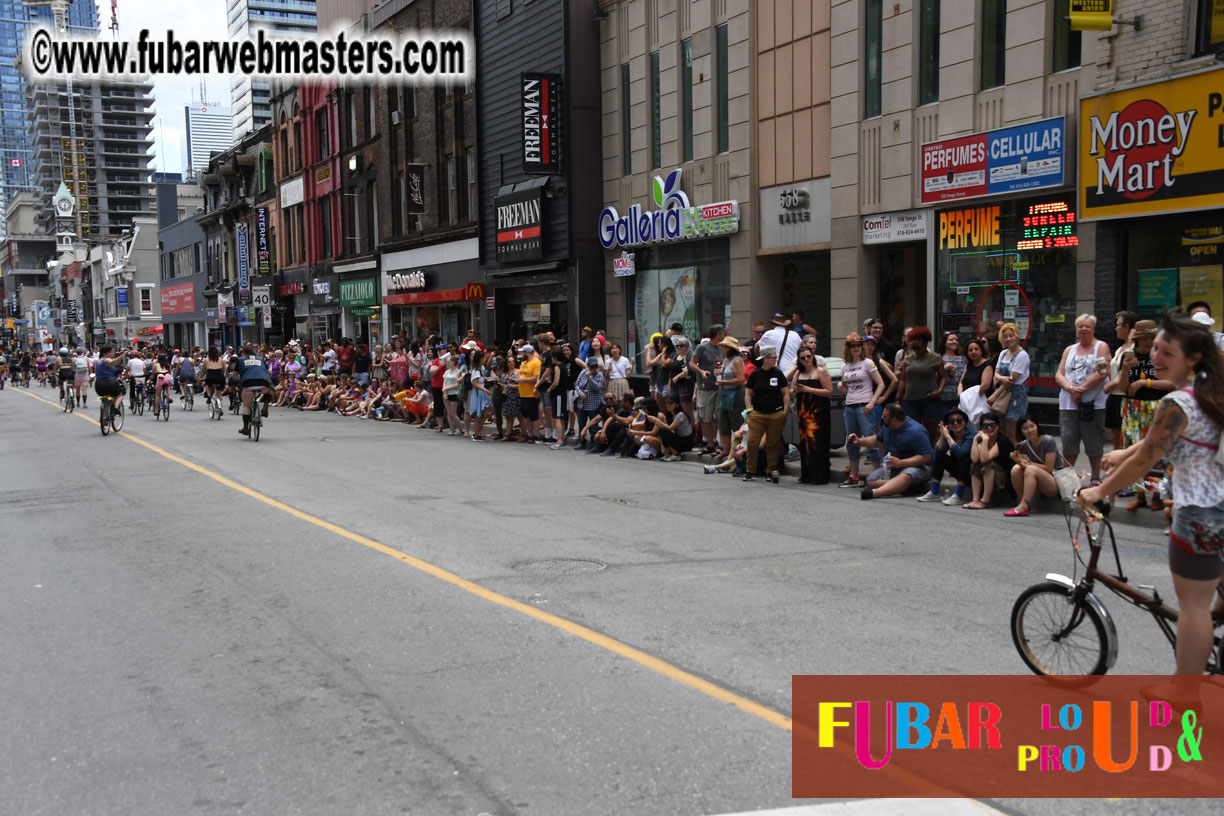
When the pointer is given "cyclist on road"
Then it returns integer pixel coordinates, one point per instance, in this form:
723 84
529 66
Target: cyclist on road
80 367
23 365
161 370
66 372
106 372
136 377
214 373
186 373
254 379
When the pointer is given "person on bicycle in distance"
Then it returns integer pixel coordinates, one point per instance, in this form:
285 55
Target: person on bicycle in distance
161 370
136 376
106 372
66 375
214 373
186 373
1186 431
254 379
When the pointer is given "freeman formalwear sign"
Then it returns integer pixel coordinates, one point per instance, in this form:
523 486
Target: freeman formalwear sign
541 100
519 223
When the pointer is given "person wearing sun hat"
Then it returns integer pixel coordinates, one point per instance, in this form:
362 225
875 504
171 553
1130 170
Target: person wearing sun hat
730 381
1200 312
1141 391
783 338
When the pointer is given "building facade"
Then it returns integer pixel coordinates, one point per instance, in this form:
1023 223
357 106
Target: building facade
251 99
184 278
538 144
206 128
15 150
677 223
428 250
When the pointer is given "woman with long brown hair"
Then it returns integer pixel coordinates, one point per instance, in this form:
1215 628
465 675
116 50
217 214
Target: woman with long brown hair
1186 431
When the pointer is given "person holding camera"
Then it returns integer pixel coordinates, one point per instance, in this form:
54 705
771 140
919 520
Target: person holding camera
1141 392
907 454
952 454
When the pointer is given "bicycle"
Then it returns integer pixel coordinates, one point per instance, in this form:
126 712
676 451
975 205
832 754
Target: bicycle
67 398
188 397
163 406
256 417
215 411
111 415
1060 627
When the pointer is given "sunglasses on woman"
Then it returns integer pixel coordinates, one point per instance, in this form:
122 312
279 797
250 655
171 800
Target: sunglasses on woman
988 425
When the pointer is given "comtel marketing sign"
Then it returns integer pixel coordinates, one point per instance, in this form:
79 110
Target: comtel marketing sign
1024 157
675 220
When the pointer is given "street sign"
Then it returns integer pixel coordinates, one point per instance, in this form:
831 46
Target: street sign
261 296
266 311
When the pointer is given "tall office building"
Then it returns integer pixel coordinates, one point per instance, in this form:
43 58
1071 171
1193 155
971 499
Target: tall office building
15 15
251 100
205 128
108 168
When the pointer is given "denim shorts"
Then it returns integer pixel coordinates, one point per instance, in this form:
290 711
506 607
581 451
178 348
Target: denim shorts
1198 536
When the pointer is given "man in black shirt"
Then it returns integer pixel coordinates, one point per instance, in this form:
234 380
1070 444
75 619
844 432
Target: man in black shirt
768 399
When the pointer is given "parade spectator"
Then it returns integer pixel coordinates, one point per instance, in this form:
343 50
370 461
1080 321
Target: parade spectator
731 381
1124 324
886 348
703 367
1200 312
1082 374
450 393
683 382
670 431
1141 392
529 401
618 368
782 338
589 389
1011 380
378 364
864 389
978 370
954 364
990 457
767 399
811 388
953 451
907 455
1036 457
922 380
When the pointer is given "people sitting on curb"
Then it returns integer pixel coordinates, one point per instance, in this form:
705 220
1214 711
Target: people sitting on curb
907 454
990 460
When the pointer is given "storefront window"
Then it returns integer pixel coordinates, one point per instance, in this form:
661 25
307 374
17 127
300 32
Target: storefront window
428 319
688 284
1011 261
1174 263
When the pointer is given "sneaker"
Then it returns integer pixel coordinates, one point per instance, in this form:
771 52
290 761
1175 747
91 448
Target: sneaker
929 497
748 477
557 446
594 449
478 439
852 481
954 501
608 452
709 469
866 493
581 446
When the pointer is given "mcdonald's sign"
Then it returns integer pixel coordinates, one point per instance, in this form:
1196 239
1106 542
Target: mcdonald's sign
474 291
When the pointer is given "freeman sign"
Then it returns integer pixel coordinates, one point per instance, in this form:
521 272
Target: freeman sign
519 222
541 97
675 220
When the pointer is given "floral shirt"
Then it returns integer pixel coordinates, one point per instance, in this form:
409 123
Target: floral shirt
1197 478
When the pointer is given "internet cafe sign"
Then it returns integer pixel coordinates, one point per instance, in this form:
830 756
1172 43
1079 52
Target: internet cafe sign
675 220
1155 148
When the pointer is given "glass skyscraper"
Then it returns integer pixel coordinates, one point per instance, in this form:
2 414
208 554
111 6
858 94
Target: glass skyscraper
15 148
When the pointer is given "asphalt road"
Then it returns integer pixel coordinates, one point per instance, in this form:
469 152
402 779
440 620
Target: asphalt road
346 618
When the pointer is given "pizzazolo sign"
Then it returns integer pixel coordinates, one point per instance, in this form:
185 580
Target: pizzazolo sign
675 220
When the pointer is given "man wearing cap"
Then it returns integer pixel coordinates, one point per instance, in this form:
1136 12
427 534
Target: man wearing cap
782 338
707 358
529 402
589 388
1200 312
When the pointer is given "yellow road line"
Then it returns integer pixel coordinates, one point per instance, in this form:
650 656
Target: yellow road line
577 630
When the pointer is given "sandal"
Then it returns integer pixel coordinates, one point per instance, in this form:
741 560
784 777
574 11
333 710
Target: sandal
974 505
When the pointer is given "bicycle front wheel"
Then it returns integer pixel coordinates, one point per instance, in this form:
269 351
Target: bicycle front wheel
1057 636
117 417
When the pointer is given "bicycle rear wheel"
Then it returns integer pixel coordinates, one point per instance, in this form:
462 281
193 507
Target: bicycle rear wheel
256 424
117 417
1055 636
103 419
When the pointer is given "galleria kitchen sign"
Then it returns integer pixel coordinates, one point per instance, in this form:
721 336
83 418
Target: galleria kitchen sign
1157 148
675 220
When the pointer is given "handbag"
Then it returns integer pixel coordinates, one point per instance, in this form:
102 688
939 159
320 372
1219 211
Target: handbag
1068 478
726 400
1002 400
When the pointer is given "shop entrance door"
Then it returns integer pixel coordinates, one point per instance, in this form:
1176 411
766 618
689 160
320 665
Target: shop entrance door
902 292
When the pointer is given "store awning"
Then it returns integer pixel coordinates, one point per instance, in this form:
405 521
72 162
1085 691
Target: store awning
410 298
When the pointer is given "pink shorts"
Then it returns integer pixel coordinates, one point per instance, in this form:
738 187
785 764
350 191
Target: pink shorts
164 379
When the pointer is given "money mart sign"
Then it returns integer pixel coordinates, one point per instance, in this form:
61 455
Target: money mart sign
674 220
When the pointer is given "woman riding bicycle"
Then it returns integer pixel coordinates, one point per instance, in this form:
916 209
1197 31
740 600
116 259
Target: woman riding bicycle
214 373
106 372
165 379
1186 431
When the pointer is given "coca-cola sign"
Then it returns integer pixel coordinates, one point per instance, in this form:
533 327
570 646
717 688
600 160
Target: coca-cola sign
414 194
